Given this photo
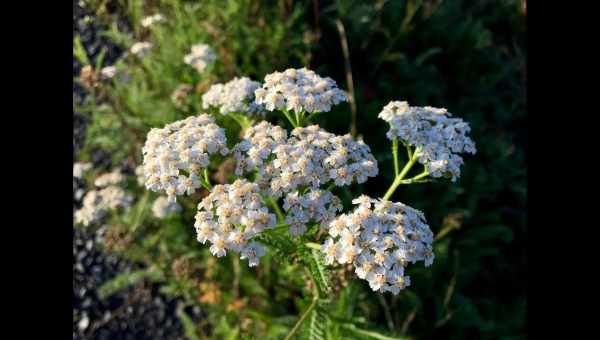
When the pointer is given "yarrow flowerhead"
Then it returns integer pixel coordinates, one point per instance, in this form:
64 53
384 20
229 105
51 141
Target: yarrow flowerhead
200 56
97 202
315 206
437 137
152 19
162 207
299 90
109 178
256 148
108 72
236 96
80 168
140 48
379 238
230 216
175 154
311 156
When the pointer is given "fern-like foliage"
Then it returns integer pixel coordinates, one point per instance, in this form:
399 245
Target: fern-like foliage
319 271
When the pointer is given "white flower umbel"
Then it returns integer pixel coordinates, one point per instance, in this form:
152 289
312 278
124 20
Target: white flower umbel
437 138
298 92
140 48
80 168
255 150
379 238
162 207
109 178
315 206
108 72
200 56
235 96
151 20
175 154
310 157
230 216
97 202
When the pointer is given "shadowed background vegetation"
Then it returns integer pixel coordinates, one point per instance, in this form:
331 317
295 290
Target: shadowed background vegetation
466 56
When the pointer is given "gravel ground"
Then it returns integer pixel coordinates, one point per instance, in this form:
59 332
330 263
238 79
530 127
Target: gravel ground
139 312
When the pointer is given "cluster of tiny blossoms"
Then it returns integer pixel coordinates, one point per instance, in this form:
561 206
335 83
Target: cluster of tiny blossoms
299 90
162 207
316 206
255 150
152 19
80 168
379 238
140 48
109 178
175 154
97 202
236 96
200 56
436 135
311 156
230 216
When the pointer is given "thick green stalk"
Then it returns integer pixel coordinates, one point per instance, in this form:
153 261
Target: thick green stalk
400 176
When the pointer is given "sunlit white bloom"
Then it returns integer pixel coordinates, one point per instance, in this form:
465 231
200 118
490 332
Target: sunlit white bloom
175 155
437 137
80 168
152 19
108 72
96 203
162 207
140 48
379 238
236 96
109 178
200 56
314 207
297 90
230 216
311 156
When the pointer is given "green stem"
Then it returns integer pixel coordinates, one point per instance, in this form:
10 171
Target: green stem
313 245
416 178
306 313
400 176
395 155
140 210
205 181
278 212
289 118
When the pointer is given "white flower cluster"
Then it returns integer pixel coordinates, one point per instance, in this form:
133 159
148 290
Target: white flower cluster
256 148
230 216
152 19
108 72
311 156
299 90
185 145
162 207
80 168
236 95
97 202
380 238
200 56
432 130
140 48
315 206
109 178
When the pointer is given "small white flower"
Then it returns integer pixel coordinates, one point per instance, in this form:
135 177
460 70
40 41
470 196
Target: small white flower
80 168
152 19
299 90
96 203
437 137
108 72
200 56
140 48
110 178
379 238
236 96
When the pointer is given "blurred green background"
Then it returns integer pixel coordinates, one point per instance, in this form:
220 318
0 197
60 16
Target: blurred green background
466 56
